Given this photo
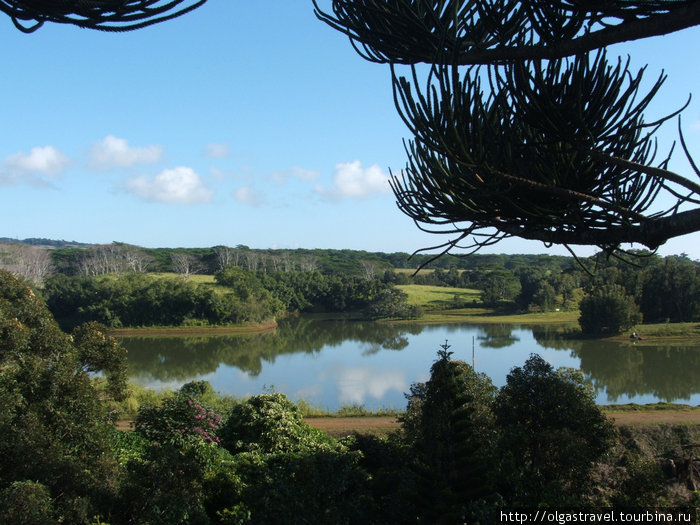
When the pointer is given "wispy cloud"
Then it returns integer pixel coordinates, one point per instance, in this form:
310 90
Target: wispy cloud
217 150
181 185
249 196
114 152
296 173
36 167
695 126
351 180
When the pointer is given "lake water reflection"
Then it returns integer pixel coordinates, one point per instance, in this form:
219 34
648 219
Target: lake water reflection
332 363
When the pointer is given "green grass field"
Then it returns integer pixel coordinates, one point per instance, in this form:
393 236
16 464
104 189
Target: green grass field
438 304
195 277
439 297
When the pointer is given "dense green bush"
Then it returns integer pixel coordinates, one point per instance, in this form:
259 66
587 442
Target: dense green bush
269 423
139 300
391 303
552 432
166 467
309 291
608 310
54 429
285 471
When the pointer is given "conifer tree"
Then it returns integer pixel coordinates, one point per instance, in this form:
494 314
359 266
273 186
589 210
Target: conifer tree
520 124
453 434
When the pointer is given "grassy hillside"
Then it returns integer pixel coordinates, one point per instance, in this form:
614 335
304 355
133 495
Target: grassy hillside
439 297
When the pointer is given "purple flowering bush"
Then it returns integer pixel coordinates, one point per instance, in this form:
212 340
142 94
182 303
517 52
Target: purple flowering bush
181 419
164 483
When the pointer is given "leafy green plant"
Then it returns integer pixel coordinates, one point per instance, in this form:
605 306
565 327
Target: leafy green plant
54 429
551 434
269 423
180 419
608 310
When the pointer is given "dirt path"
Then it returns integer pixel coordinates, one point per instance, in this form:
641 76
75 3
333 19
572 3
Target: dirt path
655 416
342 426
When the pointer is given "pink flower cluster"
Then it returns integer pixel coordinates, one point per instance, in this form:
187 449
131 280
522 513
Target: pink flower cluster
209 419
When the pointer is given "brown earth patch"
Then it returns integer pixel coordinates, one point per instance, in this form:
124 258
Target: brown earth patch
344 426
382 425
632 417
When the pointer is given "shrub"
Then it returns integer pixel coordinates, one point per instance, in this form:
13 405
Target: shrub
551 434
54 429
608 310
269 423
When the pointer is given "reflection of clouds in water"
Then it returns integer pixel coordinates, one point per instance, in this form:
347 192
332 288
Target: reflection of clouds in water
371 349
310 393
355 384
148 382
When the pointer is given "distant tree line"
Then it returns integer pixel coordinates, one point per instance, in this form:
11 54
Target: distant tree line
617 294
73 258
242 296
653 289
143 300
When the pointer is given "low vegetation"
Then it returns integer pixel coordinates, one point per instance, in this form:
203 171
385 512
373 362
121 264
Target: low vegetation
465 450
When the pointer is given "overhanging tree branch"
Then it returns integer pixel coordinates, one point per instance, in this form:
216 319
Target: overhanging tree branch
104 15
490 32
521 129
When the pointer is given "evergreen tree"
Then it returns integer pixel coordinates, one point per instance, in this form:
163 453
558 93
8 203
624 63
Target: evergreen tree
520 124
450 425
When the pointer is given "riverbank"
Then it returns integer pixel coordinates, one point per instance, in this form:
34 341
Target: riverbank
180 331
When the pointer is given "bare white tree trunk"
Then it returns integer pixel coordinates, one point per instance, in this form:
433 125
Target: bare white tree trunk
224 256
184 264
31 262
137 260
287 262
252 260
309 263
369 270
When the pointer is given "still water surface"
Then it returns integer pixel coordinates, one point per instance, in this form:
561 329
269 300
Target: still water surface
331 363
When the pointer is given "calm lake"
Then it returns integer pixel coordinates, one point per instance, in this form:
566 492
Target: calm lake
332 363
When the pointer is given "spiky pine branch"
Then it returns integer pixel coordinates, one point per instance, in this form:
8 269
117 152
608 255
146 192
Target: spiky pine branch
103 15
554 146
496 31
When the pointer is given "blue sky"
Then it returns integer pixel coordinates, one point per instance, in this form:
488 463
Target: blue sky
239 123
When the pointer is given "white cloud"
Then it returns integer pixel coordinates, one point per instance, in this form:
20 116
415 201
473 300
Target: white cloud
113 152
695 126
45 160
216 150
181 185
249 196
33 167
351 180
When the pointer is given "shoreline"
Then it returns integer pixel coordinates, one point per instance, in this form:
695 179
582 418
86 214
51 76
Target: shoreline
176 331
651 334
